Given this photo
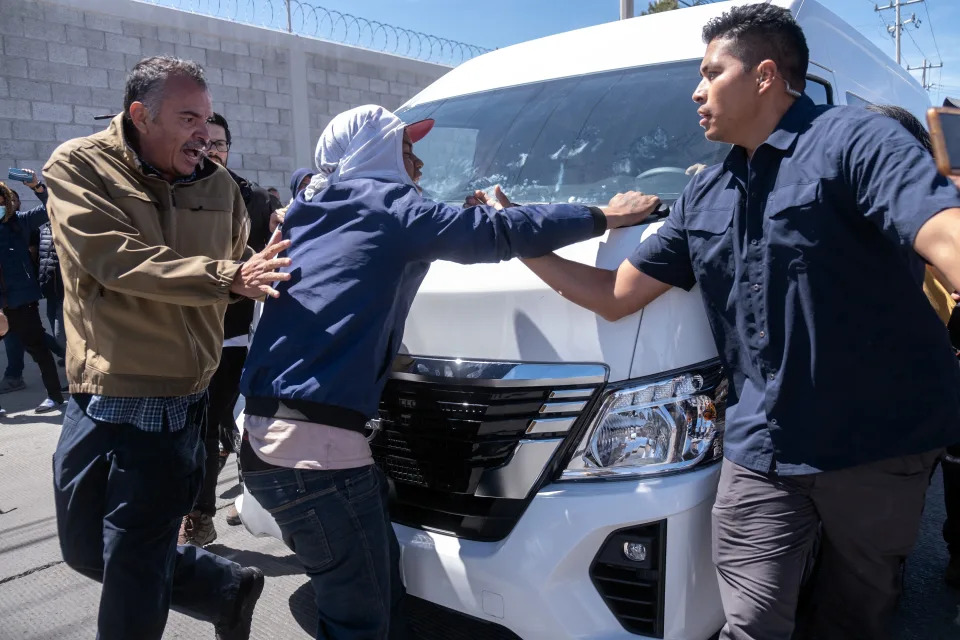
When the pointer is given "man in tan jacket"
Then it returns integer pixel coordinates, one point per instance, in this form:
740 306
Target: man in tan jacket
152 242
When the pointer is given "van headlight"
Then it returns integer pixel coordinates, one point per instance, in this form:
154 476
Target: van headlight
654 427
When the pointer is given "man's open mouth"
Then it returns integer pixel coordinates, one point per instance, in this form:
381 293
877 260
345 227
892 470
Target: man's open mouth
193 154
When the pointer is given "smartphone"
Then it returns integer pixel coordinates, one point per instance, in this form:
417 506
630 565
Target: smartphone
19 175
945 136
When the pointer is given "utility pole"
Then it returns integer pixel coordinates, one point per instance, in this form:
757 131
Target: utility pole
926 65
898 24
626 9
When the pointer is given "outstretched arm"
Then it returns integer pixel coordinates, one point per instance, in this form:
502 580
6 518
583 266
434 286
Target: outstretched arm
492 232
611 294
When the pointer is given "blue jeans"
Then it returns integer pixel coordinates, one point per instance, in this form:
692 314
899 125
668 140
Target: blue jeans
336 522
121 494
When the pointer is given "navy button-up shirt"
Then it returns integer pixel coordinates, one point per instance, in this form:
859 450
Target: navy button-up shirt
804 255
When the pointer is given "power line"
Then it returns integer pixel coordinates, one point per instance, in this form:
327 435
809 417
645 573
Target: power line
922 53
932 34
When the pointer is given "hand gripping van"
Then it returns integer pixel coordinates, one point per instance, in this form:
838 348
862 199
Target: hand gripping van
553 472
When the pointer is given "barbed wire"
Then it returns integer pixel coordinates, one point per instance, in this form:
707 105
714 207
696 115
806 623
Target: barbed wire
314 21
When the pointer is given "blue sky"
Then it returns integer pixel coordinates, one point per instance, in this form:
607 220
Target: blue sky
498 23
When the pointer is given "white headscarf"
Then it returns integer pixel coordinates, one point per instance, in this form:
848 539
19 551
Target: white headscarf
365 142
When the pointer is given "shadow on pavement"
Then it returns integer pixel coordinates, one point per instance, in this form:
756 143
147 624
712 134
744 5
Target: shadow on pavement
232 492
54 418
271 565
39 523
303 607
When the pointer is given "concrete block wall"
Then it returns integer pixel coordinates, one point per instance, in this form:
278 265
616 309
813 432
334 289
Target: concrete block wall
65 61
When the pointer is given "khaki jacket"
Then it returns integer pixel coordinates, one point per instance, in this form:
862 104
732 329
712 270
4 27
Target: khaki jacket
147 267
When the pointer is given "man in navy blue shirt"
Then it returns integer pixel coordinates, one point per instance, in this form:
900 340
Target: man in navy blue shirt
808 243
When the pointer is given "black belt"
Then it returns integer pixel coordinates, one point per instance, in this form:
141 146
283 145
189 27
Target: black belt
327 414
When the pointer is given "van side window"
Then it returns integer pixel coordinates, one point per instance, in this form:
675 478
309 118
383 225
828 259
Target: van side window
854 100
819 91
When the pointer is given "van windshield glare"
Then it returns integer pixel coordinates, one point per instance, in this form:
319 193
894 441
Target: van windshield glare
579 140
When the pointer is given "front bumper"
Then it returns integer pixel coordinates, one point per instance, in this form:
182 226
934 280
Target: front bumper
536 581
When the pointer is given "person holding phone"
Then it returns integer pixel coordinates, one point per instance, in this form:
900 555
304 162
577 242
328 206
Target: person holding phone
19 288
13 345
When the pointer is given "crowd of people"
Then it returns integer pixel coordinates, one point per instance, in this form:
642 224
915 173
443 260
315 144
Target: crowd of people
150 253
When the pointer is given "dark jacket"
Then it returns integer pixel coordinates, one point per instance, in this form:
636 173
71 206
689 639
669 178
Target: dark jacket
297 178
239 315
360 250
49 276
18 280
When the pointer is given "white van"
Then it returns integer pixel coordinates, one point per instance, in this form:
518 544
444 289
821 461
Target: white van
554 472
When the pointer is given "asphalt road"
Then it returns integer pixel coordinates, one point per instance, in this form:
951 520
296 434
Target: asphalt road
41 598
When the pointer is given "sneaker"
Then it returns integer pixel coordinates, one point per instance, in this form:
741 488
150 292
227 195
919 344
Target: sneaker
197 529
237 626
233 516
11 384
952 575
48 405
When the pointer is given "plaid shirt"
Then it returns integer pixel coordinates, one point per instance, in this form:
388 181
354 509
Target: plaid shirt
146 414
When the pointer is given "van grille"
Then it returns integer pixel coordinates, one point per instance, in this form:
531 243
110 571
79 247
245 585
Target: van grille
441 443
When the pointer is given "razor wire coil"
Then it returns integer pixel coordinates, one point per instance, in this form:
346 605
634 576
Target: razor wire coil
313 21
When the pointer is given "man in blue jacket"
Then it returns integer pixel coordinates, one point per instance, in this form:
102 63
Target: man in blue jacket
363 239
13 345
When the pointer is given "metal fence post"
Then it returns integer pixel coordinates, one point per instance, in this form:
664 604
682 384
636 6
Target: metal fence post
289 18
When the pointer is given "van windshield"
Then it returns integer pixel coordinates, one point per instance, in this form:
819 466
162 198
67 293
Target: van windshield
579 140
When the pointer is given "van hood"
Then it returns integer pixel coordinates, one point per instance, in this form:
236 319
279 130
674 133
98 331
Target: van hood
504 312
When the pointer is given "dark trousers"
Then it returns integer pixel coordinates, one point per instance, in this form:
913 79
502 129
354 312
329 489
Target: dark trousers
14 348
951 496
25 323
57 332
223 392
120 495
764 530
336 523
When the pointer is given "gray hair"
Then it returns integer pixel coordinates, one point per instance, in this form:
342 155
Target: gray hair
146 81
